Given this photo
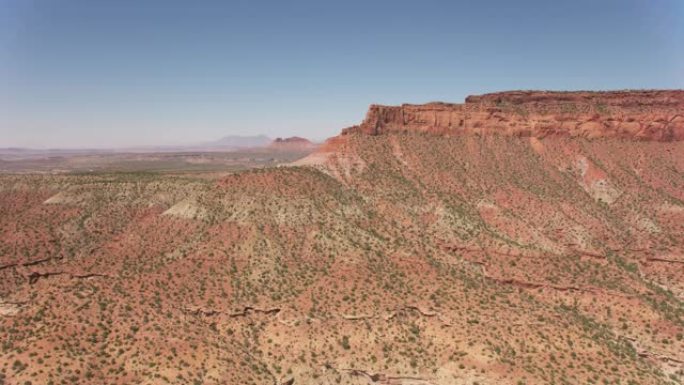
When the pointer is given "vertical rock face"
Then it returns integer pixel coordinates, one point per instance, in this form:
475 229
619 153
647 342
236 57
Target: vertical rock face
639 115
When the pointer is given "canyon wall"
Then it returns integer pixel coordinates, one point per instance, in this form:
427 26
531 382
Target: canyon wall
638 115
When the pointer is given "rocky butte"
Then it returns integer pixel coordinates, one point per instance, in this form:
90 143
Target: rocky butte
292 143
654 115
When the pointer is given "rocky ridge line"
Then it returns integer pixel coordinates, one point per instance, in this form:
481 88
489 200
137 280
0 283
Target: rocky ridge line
656 115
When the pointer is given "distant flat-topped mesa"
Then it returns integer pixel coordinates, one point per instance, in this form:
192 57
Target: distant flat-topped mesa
292 143
640 115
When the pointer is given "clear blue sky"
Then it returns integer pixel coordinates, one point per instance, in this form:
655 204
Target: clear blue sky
116 73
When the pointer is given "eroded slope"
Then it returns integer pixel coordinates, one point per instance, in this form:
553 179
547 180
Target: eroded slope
450 261
401 258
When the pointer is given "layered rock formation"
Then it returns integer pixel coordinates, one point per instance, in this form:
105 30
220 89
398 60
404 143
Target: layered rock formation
640 115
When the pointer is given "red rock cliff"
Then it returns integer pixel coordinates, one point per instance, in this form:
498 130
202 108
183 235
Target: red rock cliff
640 115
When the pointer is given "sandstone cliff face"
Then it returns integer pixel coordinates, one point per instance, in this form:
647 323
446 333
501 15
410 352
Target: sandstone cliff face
639 115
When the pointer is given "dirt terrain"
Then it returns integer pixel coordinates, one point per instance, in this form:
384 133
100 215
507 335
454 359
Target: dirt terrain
404 251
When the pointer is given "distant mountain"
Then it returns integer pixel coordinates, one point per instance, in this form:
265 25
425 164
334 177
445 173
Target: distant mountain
237 141
231 142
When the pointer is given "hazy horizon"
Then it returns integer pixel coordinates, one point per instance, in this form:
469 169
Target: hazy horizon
91 74
197 143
